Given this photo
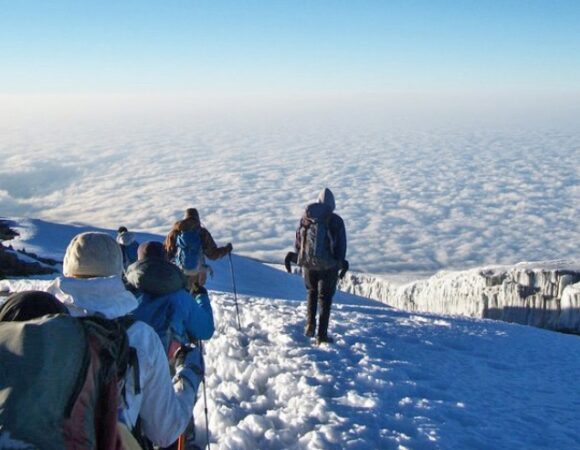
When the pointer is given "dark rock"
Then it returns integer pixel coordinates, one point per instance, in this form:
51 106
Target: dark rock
6 233
12 266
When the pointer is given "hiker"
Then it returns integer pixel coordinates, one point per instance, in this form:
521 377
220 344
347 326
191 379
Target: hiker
92 285
188 243
129 246
177 316
320 250
42 349
30 345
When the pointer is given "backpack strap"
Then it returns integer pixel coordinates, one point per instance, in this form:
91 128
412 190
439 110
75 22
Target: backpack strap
126 322
138 434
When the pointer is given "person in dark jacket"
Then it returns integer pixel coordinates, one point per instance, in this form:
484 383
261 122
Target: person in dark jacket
321 250
129 246
188 243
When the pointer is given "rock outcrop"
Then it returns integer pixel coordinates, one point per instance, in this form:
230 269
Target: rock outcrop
19 263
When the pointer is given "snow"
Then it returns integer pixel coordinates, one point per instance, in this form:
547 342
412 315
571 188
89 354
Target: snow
392 379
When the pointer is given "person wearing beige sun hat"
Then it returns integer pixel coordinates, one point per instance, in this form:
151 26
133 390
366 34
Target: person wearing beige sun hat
92 285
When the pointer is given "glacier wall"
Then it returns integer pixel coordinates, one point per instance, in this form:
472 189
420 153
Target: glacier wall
541 294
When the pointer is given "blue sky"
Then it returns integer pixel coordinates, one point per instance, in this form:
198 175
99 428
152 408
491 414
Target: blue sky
288 46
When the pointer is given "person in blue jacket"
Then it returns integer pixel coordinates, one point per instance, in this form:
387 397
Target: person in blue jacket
178 316
129 246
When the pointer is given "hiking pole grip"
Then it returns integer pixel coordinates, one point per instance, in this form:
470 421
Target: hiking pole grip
235 291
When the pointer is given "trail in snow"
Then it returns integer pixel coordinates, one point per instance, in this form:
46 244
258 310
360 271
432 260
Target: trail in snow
391 380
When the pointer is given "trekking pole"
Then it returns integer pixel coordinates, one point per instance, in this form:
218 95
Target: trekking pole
205 402
235 292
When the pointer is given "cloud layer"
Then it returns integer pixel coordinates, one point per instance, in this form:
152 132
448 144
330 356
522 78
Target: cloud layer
411 200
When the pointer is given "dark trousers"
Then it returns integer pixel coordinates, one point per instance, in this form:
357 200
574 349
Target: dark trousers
321 286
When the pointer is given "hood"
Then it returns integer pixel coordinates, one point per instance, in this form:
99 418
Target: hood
126 238
155 277
191 223
327 197
88 296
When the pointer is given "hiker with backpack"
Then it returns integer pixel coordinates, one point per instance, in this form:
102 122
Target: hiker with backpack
320 250
178 316
129 246
63 409
188 243
153 404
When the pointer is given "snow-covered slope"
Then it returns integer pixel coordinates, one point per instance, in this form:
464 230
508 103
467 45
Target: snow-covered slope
542 294
392 380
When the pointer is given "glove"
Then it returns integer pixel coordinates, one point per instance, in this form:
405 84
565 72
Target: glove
189 365
343 266
229 247
291 257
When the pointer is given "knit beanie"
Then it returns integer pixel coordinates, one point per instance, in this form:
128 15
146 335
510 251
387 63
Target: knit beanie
29 305
92 255
152 250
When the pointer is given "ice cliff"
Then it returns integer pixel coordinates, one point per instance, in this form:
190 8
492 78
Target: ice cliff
541 294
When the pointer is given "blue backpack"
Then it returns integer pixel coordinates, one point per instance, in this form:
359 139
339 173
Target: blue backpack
189 250
316 240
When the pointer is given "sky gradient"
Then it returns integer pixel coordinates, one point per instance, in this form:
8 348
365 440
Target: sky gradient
423 53
278 47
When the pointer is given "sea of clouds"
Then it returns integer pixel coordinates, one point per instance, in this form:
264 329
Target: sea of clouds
412 199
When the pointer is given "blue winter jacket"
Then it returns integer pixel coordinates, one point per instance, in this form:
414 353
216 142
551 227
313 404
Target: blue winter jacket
177 316
166 306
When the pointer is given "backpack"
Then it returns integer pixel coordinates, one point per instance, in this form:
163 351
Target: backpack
61 382
316 240
189 250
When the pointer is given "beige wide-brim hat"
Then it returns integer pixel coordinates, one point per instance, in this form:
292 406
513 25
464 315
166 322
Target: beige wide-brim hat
92 255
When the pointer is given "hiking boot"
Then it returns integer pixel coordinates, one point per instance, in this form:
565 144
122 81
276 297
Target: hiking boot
324 339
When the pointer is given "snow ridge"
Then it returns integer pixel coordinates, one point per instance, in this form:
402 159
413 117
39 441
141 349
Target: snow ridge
541 294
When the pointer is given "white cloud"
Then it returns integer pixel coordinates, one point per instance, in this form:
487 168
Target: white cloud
411 200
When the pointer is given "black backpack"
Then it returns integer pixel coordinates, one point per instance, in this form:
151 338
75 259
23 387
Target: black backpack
61 382
316 240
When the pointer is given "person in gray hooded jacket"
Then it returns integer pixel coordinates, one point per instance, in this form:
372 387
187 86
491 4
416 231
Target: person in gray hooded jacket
321 250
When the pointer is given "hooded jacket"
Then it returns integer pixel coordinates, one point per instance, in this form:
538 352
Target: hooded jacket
165 305
164 407
335 226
